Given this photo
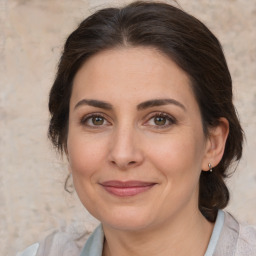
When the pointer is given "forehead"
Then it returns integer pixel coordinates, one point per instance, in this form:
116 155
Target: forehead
131 73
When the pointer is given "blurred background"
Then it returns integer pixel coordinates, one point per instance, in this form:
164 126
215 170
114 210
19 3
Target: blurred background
32 33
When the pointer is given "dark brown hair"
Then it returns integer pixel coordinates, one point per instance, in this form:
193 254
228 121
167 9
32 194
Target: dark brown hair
189 43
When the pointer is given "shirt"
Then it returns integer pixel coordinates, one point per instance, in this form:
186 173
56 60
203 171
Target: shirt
229 238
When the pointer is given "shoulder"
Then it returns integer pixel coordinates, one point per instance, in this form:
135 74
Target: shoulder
61 242
236 238
246 242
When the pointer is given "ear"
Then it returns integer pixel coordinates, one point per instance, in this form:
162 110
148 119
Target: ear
215 145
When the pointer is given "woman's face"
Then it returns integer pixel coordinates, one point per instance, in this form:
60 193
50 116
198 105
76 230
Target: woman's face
135 143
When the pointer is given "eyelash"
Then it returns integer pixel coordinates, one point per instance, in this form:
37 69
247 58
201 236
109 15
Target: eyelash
86 118
171 120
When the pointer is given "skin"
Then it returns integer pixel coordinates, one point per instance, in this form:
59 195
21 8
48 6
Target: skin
126 139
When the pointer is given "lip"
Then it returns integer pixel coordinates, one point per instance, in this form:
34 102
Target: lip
126 188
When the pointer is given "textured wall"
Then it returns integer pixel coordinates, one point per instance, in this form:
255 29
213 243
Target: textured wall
32 32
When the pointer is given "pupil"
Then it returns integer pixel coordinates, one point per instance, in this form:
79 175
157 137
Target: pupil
97 120
160 120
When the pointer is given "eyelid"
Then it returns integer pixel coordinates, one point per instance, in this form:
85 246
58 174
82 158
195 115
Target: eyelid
86 117
169 118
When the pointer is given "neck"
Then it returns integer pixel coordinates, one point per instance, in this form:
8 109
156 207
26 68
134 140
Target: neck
183 235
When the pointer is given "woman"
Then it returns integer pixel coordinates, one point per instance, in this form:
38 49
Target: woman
142 108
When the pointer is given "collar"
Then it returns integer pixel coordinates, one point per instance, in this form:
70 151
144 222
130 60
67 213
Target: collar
94 244
215 233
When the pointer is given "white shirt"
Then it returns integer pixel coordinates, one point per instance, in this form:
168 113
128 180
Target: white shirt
229 238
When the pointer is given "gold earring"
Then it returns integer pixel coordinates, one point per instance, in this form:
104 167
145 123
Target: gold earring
210 167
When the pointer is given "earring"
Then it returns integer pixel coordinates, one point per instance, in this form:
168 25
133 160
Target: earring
210 167
69 184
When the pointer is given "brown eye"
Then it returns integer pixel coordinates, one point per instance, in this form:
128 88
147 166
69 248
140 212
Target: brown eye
94 121
98 120
160 120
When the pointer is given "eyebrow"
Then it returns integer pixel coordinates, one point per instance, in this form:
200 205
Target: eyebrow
159 102
94 103
141 106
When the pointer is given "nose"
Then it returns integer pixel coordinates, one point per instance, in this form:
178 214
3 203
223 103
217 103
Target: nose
125 150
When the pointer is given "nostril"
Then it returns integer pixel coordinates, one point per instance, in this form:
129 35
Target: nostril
132 162
124 165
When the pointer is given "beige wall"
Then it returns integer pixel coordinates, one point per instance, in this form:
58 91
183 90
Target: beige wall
32 198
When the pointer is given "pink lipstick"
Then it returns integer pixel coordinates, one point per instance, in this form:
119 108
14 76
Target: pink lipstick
126 188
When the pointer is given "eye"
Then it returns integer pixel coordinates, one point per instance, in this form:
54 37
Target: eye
94 120
160 120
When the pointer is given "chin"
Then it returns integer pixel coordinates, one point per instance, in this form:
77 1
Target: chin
127 224
128 218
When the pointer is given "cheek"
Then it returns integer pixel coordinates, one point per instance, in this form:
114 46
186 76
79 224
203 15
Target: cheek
180 154
86 157
85 154
179 162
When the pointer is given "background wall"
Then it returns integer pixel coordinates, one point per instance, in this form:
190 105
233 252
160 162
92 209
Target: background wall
32 33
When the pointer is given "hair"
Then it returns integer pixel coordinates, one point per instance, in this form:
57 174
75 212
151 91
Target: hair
185 40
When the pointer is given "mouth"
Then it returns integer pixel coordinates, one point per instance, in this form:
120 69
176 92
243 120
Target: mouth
126 188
